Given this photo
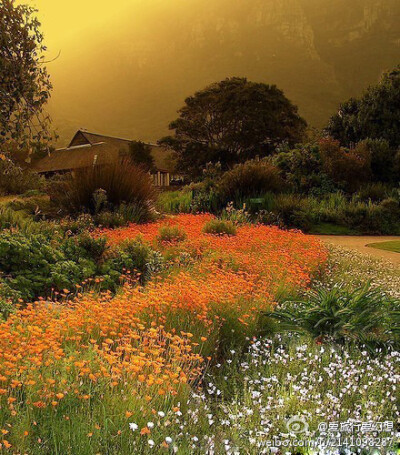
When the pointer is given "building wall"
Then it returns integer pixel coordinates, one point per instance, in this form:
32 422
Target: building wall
161 178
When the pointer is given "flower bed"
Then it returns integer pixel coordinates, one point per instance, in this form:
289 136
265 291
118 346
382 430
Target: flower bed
100 359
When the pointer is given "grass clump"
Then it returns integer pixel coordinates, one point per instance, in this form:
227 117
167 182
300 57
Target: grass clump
171 234
175 201
220 227
120 188
363 315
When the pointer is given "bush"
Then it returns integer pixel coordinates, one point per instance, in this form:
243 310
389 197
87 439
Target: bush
135 256
8 298
171 234
383 218
27 263
236 216
293 211
85 246
123 215
374 192
35 265
250 179
9 219
108 219
106 188
15 180
175 201
83 223
363 315
38 207
348 168
220 227
302 170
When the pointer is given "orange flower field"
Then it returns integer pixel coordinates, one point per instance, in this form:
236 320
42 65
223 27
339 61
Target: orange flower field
147 344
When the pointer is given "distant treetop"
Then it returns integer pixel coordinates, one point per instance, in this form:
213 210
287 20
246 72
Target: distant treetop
376 115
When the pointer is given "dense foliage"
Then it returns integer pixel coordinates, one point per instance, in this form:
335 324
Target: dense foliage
50 265
24 82
376 115
248 180
362 315
15 180
140 154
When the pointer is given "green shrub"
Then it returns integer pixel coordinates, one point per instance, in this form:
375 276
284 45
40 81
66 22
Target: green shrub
363 315
85 246
175 201
109 219
293 211
121 216
302 170
268 218
383 218
8 298
15 180
135 213
27 263
83 223
236 216
10 219
135 256
34 265
105 188
250 179
375 192
220 227
171 234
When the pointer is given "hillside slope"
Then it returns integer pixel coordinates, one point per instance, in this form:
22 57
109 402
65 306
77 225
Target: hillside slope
135 76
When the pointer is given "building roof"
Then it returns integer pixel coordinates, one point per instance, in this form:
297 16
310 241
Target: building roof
76 157
83 148
84 137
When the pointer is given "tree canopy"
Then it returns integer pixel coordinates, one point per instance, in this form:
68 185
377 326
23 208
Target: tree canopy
140 154
230 122
24 82
376 115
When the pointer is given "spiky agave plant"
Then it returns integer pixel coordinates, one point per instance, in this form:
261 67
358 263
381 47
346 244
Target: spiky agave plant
364 315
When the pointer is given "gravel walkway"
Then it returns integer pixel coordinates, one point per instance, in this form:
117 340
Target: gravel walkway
360 243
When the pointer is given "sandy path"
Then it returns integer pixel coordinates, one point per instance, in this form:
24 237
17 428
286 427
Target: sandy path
360 243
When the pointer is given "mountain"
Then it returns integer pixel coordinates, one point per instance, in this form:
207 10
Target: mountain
132 76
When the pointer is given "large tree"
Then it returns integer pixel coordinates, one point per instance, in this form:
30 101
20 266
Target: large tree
230 122
140 154
376 115
24 81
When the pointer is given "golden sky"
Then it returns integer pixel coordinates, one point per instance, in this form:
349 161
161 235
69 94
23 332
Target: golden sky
67 21
126 66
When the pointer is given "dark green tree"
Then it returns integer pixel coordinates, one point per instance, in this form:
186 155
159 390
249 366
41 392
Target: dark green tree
376 115
24 82
382 160
140 154
230 122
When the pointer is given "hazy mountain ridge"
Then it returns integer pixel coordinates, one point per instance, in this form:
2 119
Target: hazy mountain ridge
136 77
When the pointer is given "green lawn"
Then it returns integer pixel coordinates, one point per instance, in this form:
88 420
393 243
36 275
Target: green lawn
392 245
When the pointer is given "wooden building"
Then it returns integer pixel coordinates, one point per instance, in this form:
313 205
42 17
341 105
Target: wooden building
91 149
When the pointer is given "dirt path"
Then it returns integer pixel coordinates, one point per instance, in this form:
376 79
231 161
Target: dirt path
360 243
